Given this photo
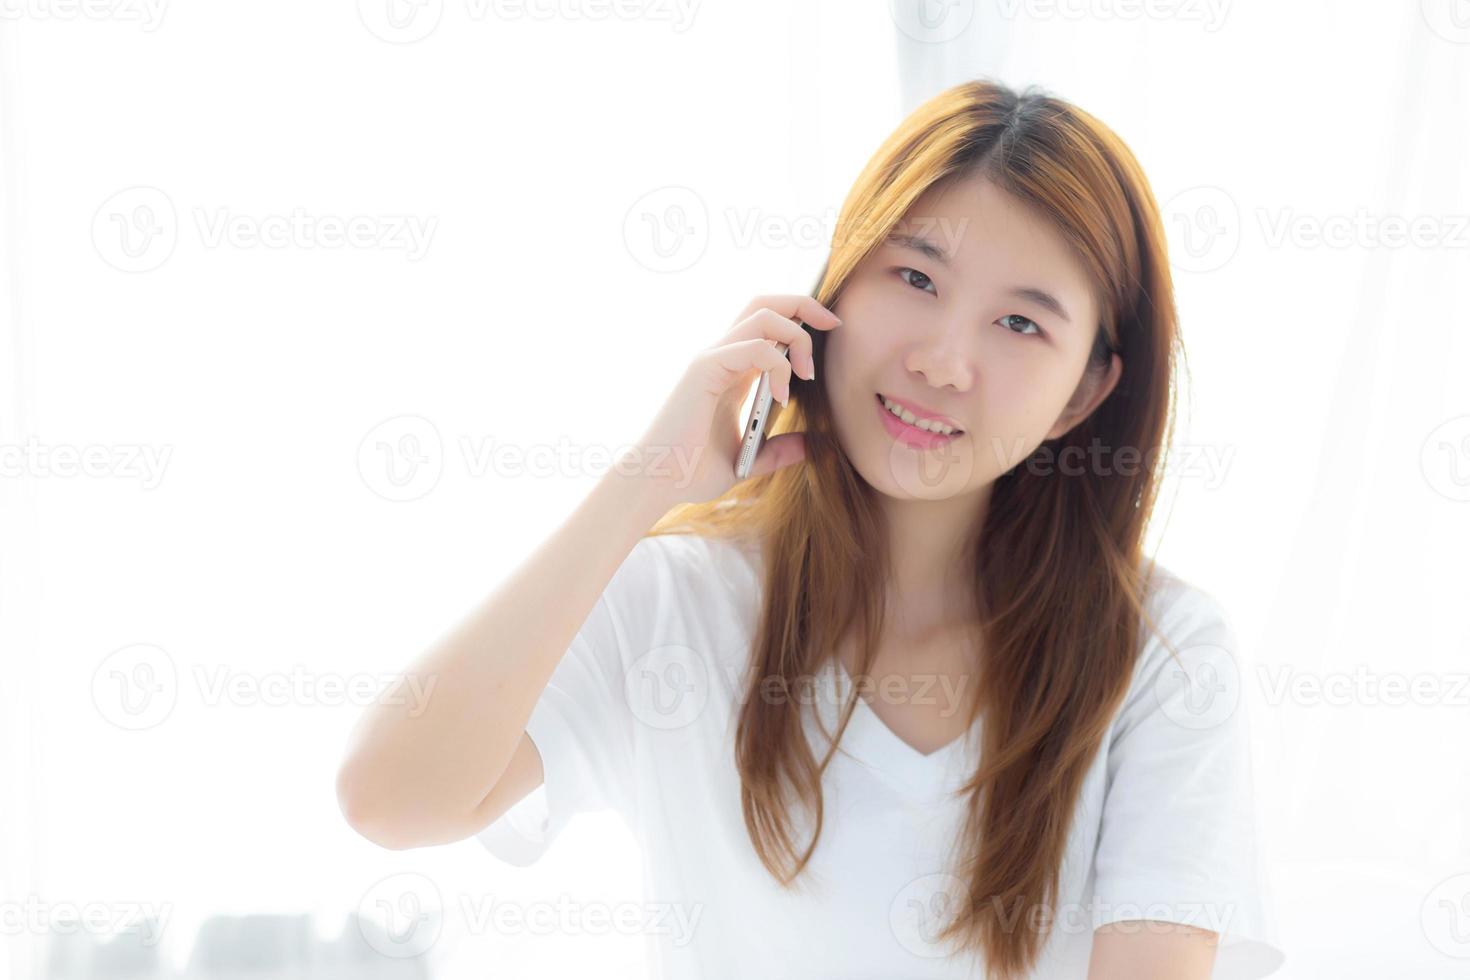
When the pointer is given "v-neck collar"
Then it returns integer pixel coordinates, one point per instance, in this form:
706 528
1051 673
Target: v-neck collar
870 741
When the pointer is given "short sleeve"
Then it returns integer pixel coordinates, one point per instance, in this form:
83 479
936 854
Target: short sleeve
582 725
1179 839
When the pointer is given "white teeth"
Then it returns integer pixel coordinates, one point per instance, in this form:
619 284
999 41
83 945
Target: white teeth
912 419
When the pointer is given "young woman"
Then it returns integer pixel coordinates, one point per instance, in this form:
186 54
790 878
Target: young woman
907 702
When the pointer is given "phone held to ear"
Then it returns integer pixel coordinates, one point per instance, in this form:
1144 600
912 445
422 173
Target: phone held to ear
755 426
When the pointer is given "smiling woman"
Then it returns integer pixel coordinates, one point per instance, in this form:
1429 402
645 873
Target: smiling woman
1010 280
905 702
980 285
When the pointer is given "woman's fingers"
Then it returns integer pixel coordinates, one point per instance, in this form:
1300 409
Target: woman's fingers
776 328
794 307
779 451
730 364
700 417
780 318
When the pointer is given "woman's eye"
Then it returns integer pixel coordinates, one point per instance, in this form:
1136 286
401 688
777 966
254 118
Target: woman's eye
1035 330
925 280
921 281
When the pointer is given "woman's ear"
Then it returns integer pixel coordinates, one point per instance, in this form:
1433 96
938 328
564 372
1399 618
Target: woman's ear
1095 386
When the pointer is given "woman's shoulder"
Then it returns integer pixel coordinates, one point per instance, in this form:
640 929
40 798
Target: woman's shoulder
696 552
689 545
685 565
1188 651
1178 604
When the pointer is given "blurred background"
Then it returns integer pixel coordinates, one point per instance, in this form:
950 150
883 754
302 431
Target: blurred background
318 318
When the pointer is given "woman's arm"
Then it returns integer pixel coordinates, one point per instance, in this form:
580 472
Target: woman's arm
437 772
1140 949
421 771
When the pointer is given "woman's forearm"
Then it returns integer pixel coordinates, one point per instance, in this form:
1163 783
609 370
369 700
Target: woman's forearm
417 767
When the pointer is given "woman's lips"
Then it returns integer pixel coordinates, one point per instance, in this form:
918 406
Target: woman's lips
911 434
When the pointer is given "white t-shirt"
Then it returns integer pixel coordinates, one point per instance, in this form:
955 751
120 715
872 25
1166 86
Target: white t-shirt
639 717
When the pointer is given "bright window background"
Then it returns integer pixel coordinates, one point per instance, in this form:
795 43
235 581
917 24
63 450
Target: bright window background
551 214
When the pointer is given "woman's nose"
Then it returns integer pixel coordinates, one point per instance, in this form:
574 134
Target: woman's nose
943 358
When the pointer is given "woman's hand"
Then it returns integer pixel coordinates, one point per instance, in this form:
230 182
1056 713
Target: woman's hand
688 453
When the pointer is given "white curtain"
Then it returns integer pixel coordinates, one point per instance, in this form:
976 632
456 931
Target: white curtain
20 796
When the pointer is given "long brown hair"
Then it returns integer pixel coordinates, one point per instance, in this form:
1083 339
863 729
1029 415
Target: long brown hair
1058 565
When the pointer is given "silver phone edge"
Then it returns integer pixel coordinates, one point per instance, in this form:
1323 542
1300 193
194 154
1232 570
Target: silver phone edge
760 413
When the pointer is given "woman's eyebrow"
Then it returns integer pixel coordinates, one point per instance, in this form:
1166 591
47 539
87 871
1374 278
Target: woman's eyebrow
1043 299
1035 294
919 244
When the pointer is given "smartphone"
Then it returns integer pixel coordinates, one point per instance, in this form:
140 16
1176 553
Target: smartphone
755 426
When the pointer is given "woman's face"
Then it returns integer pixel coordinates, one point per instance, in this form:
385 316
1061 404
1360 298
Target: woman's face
974 309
